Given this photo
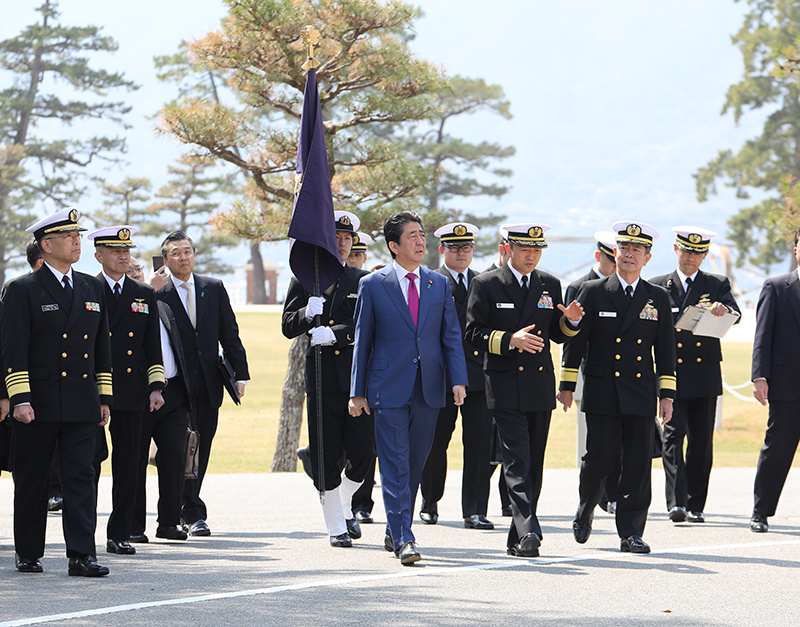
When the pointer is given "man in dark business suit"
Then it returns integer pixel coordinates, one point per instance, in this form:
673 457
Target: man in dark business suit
57 359
344 437
205 322
137 369
627 321
512 315
775 375
407 333
166 426
699 376
457 243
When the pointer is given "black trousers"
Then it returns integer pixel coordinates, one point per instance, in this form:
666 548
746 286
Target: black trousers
476 425
167 427
362 499
125 428
524 438
204 419
343 436
775 459
687 481
33 447
605 436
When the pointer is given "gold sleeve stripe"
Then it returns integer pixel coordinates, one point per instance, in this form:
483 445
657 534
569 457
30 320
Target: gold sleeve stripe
104 390
496 342
667 382
155 374
567 328
570 375
18 383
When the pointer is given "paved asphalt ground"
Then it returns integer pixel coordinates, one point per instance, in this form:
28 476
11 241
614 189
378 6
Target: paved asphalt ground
268 562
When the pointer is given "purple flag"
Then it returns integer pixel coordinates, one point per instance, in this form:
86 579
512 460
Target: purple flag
313 227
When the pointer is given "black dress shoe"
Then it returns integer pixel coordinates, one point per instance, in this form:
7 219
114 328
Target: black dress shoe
633 544
478 521
199 528
528 546
25 565
341 541
388 544
170 533
581 530
55 503
758 523
120 547
506 512
304 455
365 518
677 514
429 518
408 554
138 538
353 528
86 566
695 517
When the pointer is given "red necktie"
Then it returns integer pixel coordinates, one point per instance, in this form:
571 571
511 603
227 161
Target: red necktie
413 298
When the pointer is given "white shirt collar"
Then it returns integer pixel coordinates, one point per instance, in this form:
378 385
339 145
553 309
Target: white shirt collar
177 282
401 272
596 268
519 275
60 275
111 282
684 277
454 274
625 284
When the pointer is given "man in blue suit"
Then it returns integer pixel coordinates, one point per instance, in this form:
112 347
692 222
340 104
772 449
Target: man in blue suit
407 332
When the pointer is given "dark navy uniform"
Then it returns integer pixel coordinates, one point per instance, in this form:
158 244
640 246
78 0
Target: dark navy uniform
520 386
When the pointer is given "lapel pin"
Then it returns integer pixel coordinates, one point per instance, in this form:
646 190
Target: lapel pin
429 284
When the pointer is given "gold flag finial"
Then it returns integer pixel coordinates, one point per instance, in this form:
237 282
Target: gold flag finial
310 38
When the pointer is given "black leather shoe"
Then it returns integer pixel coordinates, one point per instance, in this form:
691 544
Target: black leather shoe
365 518
353 528
55 503
677 514
528 546
86 566
199 528
695 517
506 512
304 455
408 554
429 518
388 544
120 547
478 521
341 541
581 530
758 523
25 565
633 544
170 533
138 538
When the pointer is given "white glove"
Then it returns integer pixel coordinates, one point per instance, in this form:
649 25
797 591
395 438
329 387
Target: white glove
314 307
322 336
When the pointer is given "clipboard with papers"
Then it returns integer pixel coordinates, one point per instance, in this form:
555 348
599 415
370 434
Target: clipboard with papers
700 321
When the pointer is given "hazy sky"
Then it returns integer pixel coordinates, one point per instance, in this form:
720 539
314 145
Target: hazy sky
616 103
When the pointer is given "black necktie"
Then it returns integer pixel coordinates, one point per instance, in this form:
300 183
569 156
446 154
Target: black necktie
116 291
461 288
688 284
67 287
525 282
629 291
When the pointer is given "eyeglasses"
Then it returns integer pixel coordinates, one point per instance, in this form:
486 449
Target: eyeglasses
177 254
460 248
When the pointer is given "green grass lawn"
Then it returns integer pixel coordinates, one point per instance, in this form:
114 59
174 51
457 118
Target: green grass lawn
245 441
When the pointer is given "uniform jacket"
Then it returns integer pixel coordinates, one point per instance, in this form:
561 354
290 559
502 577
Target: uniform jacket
389 348
497 309
778 336
216 325
572 288
698 357
135 344
167 317
619 336
57 353
338 313
474 356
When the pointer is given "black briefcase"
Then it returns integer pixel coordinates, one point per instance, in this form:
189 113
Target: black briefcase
229 378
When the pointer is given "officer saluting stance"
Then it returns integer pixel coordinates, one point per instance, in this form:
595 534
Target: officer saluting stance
57 359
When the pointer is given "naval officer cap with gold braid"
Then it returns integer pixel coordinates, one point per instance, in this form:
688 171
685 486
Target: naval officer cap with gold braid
346 221
606 242
114 236
525 234
693 239
457 233
634 233
62 221
360 242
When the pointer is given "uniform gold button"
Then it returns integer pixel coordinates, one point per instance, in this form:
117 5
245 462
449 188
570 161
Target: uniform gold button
541 368
538 333
130 334
63 354
85 337
336 352
677 330
619 340
639 341
699 360
109 334
699 344
638 375
639 358
64 336
616 374
617 357
330 321
130 352
86 376
86 355
475 353
63 374
521 368
680 361
129 369
680 345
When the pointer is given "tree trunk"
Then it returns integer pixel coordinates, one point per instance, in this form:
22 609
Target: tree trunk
291 416
259 289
